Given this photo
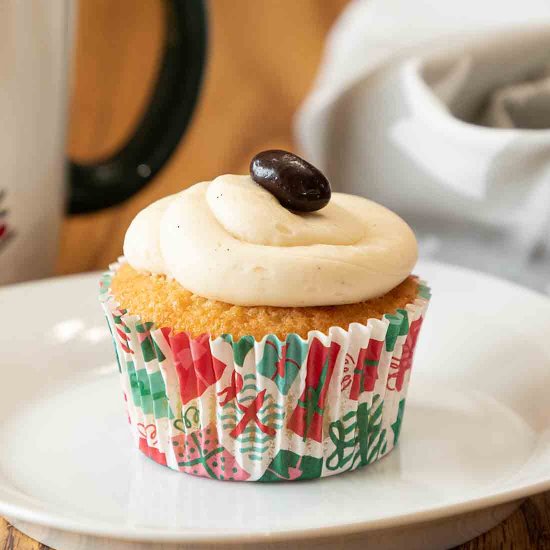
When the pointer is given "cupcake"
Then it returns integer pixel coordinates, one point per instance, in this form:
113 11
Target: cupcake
265 327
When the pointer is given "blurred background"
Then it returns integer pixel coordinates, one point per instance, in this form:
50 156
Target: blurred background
262 60
438 110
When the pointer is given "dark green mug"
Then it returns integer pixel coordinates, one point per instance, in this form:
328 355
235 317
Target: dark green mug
163 122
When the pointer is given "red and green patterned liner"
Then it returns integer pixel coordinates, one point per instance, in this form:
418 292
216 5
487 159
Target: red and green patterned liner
270 410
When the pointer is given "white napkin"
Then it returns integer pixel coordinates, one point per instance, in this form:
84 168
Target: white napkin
441 111
521 104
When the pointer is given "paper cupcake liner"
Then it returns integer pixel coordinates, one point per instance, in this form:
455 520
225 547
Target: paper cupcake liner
270 410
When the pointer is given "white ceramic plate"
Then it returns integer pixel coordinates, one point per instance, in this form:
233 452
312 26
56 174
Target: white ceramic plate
476 432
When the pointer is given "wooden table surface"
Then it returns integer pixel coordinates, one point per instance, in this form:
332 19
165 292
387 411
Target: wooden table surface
262 60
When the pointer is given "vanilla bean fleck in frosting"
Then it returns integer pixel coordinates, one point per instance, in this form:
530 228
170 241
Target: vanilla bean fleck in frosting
231 240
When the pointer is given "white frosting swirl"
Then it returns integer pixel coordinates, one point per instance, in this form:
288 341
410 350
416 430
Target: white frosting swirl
231 240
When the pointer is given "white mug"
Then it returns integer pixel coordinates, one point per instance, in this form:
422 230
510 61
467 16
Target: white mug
37 183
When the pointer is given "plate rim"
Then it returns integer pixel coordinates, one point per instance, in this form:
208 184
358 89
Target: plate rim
215 537
100 528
